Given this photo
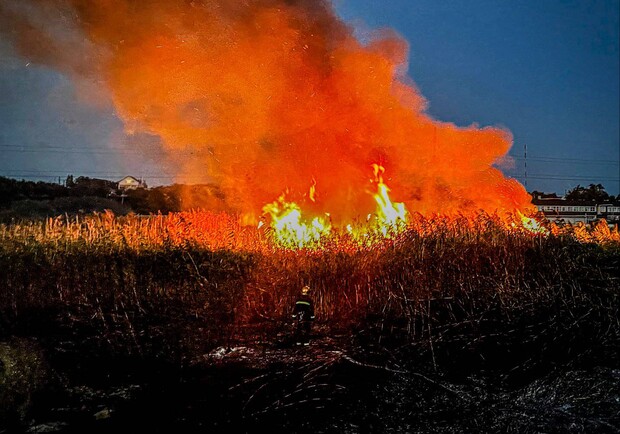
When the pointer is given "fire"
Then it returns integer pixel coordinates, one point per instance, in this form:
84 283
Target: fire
260 96
530 224
290 229
391 217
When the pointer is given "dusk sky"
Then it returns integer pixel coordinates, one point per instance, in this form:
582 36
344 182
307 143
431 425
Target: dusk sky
546 70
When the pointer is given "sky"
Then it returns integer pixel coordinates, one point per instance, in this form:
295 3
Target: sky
546 70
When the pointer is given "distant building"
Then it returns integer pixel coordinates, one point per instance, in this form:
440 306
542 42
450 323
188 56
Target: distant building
610 212
571 211
130 183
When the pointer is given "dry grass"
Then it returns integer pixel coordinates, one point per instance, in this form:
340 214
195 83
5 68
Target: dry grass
181 282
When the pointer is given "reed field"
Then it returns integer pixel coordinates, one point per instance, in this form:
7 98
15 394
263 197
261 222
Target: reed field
456 295
203 268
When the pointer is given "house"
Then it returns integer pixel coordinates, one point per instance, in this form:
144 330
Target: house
130 183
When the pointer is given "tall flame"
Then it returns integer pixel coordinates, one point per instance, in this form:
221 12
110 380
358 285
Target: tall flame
391 217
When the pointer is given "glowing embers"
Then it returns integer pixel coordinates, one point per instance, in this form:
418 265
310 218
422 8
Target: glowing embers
291 230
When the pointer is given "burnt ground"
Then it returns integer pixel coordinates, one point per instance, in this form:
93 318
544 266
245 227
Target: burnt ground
337 384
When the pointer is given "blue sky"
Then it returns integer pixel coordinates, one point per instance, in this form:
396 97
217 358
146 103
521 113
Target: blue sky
546 70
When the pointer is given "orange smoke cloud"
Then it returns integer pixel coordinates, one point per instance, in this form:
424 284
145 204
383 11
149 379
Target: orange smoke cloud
273 96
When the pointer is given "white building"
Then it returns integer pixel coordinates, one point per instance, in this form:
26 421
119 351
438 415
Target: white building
130 183
566 211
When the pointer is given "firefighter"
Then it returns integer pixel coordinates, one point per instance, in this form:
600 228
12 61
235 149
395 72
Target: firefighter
304 315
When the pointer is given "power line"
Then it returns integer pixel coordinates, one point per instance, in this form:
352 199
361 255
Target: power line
525 164
56 173
59 172
129 151
85 148
568 160
94 151
572 178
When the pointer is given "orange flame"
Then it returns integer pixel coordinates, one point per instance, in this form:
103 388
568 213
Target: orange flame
391 217
291 230
531 225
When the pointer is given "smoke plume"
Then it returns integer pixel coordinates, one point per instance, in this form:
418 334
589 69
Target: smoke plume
265 97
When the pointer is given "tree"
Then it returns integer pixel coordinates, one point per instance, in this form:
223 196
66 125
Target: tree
592 193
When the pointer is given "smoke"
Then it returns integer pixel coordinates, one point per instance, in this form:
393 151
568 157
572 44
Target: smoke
265 97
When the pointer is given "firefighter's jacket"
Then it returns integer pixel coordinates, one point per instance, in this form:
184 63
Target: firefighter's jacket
304 304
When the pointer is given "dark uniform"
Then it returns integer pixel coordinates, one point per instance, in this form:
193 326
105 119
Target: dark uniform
304 314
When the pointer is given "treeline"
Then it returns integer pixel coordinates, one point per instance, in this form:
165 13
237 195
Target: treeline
83 195
591 193
12 190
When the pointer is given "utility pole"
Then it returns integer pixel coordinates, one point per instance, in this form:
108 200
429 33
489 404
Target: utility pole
525 164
